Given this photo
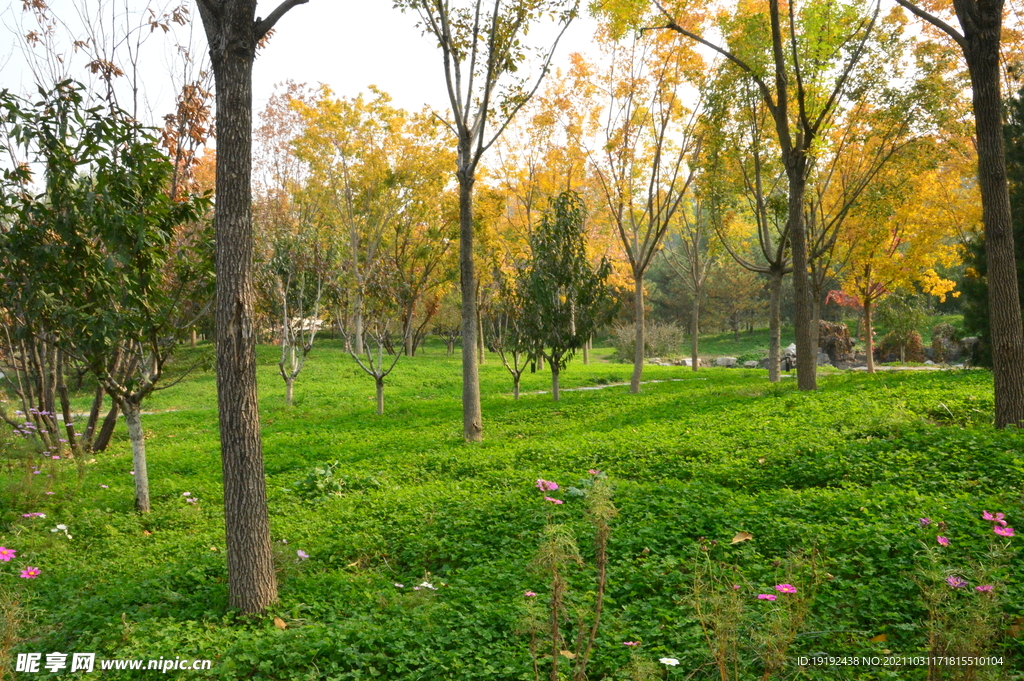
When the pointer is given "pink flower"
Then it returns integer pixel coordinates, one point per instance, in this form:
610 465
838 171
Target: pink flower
6 554
302 554
529 594
105 486
1003 531
994 518
131 472
49 492
594 471
186 494
553 501
943 541
545 485
736 587
30 573
400 586
766 597
785 588
36 472
924 522
631 643
54 457
983 588
956 582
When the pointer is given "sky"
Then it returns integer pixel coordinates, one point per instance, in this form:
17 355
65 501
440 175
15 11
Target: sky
347 44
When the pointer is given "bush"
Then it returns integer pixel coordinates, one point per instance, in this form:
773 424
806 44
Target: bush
660 340
889 348
945 338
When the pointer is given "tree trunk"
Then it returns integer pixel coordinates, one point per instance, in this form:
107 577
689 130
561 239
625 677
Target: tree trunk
815 324
410 349
554 380
357 320
481 346
638 353
289 385
107 429
586 352
775 324
472 419
252 585
451 348
806 357
380 395
695 333
540 363
869 334
515 386
192 337
133 417
982 52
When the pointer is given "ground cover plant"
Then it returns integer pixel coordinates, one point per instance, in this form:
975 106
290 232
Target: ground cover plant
404 553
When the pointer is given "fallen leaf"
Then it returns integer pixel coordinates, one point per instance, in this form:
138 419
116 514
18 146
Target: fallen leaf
279 623
355 564
742 536
881 638
567 654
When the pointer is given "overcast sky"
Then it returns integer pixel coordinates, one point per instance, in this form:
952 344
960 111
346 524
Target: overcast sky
347 44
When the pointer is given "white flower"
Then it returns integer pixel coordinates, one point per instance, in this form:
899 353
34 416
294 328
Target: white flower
428 585
186 494
400 586
62 527
670 661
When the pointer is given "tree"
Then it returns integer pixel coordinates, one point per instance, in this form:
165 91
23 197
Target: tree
563 297
103 229
979 37
509 335
482 48
813 57
233 33
645 165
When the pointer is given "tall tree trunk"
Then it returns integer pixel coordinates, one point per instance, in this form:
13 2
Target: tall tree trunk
586 352
815 324
472 418
252 584
357 321
540 362
638 353
554 380
410 348
869 334
1005 325
107 429
133 417
481 346
775 324
806 356
192 337
515 386
289 387
695 339
380 394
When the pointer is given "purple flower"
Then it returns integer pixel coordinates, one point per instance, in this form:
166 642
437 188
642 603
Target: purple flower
1003 531
594 471
50 493
54 457
553 501
105 486
302 554
6 554
924 522
30 573
984 588
529 594
766 597
956 582
785 588
736 587
943 541
631 644
545 485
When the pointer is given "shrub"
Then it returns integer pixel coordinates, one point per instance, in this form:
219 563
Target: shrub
945 338
899 346
660 340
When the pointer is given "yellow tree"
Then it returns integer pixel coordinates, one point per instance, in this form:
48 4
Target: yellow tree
900 235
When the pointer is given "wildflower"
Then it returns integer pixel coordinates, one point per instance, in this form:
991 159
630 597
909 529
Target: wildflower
766 597
302 554
36 472
631 644
400 586
956 582
594 471
186 494
131 472
983 588
193 500
30 573
6 554
545 485
943 541
736 587
994 517
785 588
670 661
49 492
428 585
529 594
33 515
54 457
105 486
553 501
1003 531
924 522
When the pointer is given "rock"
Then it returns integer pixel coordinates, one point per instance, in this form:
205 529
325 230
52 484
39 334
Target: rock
725 361
928 362
823 358
834 340
751 364
790 350
929 354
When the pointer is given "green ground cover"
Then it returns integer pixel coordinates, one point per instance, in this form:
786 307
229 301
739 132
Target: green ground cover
846 471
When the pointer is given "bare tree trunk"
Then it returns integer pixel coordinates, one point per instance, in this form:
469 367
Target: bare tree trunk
410 348
1005 325
232 34
515 387
481 346
107 429
694 341
815 325
289 386
192 337
380 395
806 356
774 324
586 352
65 406
451 348
869 334
540 362
554 381
638 353
133 417
357 320
472 418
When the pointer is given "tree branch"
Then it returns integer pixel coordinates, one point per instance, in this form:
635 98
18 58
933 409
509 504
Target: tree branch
935 21
262 26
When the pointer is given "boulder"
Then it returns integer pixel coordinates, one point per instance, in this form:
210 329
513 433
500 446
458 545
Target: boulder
725 361
834 340
750 364
823 358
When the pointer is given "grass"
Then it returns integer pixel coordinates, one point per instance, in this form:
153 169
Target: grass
695 458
